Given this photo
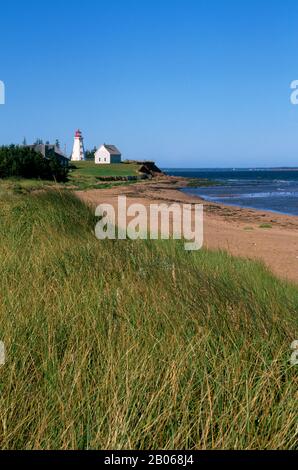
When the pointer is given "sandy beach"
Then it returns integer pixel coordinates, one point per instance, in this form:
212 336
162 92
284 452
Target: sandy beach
266 236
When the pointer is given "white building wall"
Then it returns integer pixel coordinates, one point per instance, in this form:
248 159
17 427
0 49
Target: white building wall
102 156
78 153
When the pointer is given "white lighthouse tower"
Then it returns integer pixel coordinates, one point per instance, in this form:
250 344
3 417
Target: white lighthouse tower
78 153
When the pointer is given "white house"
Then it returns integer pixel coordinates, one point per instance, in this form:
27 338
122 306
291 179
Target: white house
107 154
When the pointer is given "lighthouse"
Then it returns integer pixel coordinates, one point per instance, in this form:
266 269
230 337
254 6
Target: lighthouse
78 153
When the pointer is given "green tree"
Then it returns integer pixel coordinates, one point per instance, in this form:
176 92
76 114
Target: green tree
24 162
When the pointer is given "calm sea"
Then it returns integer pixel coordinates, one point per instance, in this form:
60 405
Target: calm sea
264 189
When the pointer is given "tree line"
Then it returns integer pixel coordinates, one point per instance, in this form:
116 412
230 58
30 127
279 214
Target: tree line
24 162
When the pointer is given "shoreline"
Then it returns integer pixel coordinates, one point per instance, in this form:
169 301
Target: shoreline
249 233
240 207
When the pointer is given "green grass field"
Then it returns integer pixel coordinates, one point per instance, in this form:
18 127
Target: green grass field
88 175
85 175
91 169
137 345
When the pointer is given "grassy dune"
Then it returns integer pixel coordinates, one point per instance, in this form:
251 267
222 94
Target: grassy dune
137 344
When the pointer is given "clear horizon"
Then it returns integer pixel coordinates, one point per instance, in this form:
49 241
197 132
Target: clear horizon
188 84
251 168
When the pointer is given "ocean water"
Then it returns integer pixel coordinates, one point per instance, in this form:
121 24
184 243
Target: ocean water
264 189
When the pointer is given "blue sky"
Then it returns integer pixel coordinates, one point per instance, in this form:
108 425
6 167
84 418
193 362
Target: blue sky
189 83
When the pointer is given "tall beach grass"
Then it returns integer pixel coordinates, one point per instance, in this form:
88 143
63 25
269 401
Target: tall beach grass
137 344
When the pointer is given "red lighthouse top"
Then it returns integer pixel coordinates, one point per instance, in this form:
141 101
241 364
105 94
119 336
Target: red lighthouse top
78 134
